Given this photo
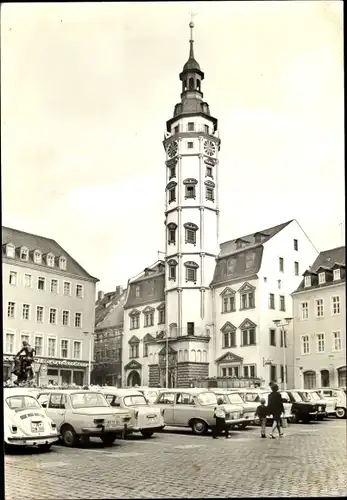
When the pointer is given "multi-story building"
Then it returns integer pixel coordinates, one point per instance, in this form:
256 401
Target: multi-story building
251 288
320 322
109 319
48 300
205 310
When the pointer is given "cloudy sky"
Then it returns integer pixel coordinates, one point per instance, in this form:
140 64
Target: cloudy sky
87 88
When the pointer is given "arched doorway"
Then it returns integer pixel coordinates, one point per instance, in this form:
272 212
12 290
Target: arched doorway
325 378
134 378
309 380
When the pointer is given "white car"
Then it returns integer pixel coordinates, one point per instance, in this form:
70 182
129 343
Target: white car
255 395
145 418
81 414
249 409
337 396
25 422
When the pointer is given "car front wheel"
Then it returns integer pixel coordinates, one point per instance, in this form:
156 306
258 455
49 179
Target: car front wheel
340 412
108 440
146 433
69 436
199 427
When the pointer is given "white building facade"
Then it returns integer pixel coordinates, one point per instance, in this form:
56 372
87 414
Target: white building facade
48 300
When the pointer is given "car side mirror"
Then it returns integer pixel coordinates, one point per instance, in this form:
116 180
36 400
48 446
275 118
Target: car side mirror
44 404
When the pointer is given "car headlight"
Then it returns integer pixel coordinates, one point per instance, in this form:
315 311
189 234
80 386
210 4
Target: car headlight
13 429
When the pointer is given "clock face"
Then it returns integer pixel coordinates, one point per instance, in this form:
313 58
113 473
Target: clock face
209 148
172 149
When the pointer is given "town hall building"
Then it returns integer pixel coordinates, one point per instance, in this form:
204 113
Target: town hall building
208 310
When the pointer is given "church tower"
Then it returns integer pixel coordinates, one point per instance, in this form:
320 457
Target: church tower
191 220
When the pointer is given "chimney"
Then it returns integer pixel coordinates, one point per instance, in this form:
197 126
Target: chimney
100 295
119 290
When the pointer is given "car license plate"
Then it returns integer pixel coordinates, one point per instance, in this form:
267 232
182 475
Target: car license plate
111 423
37 426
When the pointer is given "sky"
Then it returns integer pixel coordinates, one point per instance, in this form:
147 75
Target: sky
87 88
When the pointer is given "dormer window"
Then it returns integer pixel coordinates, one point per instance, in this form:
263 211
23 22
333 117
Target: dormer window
10 251
62 263
37 257
137 291
337 274
321 278
307 281
50 260
24 253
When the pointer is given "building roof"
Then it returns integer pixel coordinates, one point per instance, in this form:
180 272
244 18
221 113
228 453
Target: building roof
45 245
109 311
230 247
150 285
328 259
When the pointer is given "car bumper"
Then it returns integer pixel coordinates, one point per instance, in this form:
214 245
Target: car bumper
32 440
100 431
235 421
154 428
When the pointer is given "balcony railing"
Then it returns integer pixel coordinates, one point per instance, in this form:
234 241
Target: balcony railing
175 332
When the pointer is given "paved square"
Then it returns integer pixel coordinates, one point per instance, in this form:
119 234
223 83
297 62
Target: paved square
310 460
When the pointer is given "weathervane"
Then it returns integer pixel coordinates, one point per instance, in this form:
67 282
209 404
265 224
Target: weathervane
191 24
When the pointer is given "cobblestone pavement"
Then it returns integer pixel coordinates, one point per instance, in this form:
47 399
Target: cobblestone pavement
310 460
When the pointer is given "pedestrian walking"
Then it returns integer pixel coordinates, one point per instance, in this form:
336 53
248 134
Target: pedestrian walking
275 408
219 415
261 412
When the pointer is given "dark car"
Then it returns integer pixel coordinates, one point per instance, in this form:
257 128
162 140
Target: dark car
303 411
314 397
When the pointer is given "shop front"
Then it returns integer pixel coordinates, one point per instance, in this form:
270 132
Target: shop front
52 371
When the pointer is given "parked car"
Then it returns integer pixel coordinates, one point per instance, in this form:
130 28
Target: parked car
304 411
81 414
145 418
255 395
336 396
249 409
25 422
150 393
194 408
313 396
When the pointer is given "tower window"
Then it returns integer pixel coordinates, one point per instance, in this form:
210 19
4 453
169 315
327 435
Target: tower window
191 127
172 269
190 145
191 271
198 84
172 172
171 227
190 191
191 230
172 195
176 129
209 172
191 83
190 328
206 129
209 194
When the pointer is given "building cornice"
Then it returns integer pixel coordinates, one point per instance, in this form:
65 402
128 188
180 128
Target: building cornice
320 288
236 280
157 301
216 210
50 270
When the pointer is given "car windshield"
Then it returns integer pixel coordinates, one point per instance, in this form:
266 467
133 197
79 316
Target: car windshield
235 398
134 400
315 396
88 400
297 397
152 394
22 402
207 398
250 397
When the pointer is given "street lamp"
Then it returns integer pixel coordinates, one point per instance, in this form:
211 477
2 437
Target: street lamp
281 324
91 336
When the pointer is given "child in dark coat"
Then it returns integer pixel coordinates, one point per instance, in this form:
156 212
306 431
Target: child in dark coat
261 412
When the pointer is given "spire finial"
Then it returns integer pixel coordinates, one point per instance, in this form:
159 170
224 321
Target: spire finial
191 41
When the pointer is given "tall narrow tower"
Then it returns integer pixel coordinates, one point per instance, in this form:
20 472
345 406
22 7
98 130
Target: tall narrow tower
191 210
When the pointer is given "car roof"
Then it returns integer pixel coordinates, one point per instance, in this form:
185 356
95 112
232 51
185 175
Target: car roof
69 391
187 390
121 392
19 391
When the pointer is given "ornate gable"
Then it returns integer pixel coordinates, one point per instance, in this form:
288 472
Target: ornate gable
134 312
134 340
161 306
228 327
148 338
246 288
148 309
133 365
247 323
229 357
227 291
